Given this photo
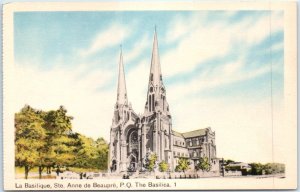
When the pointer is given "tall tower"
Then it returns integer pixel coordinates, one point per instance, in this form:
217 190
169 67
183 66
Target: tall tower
156 96
121 92
157 122
122 114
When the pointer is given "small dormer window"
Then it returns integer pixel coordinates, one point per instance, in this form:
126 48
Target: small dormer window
151 89
151 77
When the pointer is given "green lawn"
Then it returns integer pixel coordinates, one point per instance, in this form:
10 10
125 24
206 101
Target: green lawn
21 170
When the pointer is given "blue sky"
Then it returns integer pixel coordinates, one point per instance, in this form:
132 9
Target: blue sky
216 66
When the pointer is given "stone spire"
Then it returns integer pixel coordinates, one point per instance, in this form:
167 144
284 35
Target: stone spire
155 71
156 96
122 93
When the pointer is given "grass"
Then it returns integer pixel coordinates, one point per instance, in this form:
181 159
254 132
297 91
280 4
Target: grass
21 170
78 169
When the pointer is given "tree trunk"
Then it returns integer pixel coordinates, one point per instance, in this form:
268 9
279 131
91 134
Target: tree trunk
40 171
48 170
26 172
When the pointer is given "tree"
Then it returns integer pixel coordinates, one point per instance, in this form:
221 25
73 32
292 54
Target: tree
150 161
268 168
29 140
163 166
60 141
102 153
256 168
204 164
228 161
183 165
45 139
86 152
274 168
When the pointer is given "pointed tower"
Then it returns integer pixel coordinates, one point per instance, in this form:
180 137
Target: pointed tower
156 96
123 114
121 92
157 122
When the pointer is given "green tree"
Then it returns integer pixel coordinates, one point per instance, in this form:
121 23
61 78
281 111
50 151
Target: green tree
60 140
102 153
183 164
44 139
273 168
163 166
256 168
150 161
87 153
228 161
204 164
29 139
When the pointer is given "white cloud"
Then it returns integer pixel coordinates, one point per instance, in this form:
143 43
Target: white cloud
137 84
198 42
113 35
138 48
47 90
242 129
214 78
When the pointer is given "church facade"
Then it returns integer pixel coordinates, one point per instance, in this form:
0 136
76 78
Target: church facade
132 136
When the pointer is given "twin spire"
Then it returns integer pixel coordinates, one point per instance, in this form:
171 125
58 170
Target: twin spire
155 71
122 93
155 78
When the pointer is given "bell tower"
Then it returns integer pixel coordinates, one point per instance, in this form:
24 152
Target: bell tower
122 113
156 95
157 121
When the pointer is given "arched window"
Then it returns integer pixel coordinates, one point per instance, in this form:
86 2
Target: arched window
153 102
133 142
134 137
163 103
194 154
150 104
197 141
166 143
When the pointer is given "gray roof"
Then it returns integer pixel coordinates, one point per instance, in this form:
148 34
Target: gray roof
177 134
195 133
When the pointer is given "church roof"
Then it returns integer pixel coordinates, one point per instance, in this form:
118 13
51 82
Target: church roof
177 134
195 133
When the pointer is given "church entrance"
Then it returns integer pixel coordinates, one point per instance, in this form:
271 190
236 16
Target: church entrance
133 150
114 166
133 164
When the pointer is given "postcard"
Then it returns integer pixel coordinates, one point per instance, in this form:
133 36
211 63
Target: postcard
149 95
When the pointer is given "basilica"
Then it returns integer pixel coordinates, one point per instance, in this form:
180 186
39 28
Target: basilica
132 136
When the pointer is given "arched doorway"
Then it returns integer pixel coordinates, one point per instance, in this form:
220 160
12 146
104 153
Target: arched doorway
114 166
133 163
133 149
